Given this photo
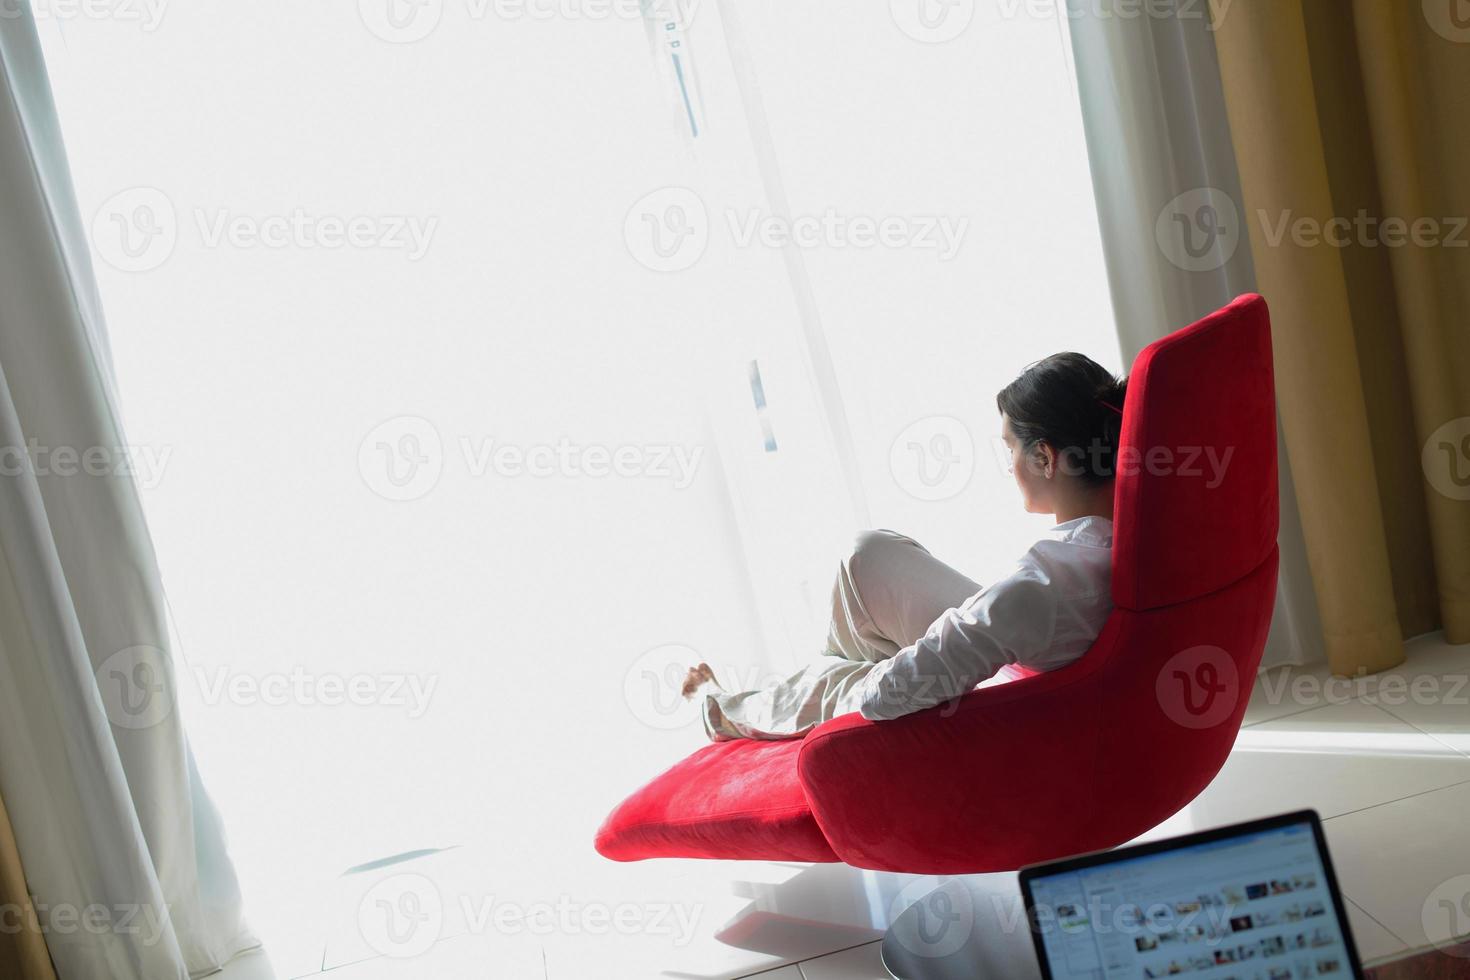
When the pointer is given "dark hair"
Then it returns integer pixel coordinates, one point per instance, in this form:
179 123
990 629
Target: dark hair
1074 405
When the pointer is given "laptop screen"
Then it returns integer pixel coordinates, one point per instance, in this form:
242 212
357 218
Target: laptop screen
1257 901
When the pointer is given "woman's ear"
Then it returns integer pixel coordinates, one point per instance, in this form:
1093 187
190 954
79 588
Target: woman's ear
1046 459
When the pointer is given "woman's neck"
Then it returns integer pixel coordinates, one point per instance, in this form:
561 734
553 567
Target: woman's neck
1094 502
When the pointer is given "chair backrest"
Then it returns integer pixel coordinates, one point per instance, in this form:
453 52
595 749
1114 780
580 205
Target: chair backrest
1194 564
1093 755
1195 504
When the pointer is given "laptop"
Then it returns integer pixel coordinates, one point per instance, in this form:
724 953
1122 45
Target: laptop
1255 901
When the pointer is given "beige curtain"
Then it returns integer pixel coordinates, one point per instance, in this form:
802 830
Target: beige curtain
23 953
1352 134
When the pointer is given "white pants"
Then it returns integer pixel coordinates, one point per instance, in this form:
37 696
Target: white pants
887 593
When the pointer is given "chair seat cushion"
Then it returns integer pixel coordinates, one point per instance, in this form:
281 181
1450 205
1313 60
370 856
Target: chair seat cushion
738 799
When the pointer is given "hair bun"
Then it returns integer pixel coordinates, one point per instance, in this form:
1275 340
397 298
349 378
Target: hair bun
1113 393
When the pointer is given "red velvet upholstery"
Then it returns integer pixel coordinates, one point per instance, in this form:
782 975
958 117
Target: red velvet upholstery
728 800
1197 399
1078 759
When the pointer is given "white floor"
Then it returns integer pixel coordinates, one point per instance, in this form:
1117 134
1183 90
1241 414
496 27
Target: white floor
1385 760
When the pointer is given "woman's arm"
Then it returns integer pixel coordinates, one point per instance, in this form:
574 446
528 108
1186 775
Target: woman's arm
1005 623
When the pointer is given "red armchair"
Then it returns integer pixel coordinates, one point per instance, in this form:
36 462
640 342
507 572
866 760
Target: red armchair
1079 759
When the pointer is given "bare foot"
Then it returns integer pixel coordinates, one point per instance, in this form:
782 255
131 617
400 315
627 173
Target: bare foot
697 678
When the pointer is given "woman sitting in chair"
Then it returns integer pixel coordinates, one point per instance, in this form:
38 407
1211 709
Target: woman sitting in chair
908 632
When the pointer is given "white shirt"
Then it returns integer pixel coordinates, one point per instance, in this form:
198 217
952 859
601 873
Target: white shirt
1043 615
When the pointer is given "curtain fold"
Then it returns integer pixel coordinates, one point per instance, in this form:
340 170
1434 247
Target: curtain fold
23 953
1158 140
1349 121
1416 86
121 848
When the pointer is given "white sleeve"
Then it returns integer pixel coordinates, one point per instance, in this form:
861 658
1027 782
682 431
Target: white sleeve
1011 621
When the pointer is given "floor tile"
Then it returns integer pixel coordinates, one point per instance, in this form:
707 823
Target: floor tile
1375 943
1310 742
728 919
1283 691
858 963
254 965
404 905
1430 690
1334 759
466 957
1407 864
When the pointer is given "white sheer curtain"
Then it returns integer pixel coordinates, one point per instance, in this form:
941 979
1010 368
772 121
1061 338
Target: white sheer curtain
113 824
1160 149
